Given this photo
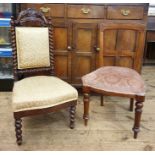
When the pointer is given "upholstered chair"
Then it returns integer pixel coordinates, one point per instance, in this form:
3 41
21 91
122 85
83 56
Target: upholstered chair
36 90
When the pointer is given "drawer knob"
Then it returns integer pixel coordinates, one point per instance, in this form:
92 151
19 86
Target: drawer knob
125 12
45 9
85 10
97 49
69 48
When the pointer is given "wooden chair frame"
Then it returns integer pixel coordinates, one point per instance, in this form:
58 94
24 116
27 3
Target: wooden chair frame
136 65
33 18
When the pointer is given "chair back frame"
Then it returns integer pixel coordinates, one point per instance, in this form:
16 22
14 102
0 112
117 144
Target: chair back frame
139 49
31 18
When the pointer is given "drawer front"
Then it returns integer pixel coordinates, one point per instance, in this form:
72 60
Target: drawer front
85 11
125 12
53 10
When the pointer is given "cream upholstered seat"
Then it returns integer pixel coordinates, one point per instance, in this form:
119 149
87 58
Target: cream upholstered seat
41 92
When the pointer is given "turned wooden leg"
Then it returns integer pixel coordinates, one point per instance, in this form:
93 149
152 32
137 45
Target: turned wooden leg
72 116
131 104
102 100
138 112
18 126
86 108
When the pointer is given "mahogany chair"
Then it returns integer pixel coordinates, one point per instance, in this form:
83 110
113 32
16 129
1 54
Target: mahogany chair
36 90
117 80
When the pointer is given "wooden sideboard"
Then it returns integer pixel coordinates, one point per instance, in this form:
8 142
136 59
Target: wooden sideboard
76 39
149 56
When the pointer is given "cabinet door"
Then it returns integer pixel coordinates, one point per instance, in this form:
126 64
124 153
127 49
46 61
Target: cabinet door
62 40
83 54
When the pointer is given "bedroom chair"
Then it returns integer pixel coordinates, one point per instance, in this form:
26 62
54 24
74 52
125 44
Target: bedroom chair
36 90
118 80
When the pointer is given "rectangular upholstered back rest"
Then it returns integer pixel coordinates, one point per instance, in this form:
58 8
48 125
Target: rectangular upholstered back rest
32 47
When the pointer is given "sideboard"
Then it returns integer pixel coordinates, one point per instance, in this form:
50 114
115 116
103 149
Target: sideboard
76 39
149 55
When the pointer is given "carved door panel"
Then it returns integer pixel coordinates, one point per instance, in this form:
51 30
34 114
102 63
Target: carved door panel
83 54
62 40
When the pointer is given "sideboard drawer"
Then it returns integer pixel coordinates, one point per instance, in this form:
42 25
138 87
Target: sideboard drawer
125 12
53 10
85 11
57 10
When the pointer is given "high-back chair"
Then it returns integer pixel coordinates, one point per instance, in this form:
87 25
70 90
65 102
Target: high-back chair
36 90
119 77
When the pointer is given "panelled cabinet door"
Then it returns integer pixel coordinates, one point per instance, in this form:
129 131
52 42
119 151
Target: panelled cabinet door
83 54
62 54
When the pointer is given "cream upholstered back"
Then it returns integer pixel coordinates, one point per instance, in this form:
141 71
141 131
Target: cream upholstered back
32 47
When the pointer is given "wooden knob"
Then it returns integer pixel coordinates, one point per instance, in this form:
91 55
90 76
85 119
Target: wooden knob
45 9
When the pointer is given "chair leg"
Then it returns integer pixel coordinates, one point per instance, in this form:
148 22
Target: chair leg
86 108
138 112
131 104
72 116
102 100
18 126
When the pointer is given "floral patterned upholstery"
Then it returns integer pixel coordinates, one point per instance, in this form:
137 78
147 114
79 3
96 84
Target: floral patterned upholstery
41 92
32 47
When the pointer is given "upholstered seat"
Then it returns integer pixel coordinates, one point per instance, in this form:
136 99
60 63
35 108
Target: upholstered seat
41 92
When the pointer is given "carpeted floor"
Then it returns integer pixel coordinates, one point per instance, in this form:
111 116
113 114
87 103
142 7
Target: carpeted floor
110 127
